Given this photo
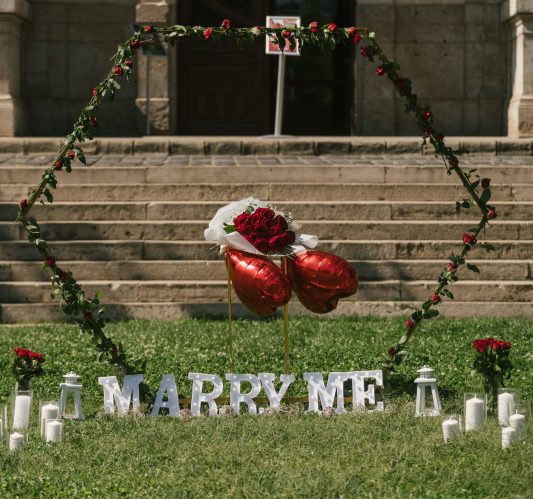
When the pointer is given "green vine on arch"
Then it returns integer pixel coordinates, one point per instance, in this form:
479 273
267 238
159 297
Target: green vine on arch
87 310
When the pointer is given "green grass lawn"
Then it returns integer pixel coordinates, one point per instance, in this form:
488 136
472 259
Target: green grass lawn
356 455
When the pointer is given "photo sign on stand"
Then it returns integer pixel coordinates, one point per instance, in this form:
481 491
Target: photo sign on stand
320 395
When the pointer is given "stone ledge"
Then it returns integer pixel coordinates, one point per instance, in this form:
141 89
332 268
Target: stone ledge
21 313
179 145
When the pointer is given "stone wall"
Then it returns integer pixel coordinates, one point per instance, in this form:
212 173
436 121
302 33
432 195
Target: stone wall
67 48
462 55
457 54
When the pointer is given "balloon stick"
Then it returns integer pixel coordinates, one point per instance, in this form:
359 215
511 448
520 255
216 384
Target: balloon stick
230 332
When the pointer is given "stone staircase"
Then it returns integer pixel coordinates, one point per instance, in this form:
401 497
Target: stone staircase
132 226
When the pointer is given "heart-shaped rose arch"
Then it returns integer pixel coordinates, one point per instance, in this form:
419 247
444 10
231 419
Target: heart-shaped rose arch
88 311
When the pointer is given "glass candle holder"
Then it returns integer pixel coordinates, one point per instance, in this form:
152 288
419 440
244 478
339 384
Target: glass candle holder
21 402
17 439
451 427
475 410
508 437
507 399
54 430
3 423
48 409
519 419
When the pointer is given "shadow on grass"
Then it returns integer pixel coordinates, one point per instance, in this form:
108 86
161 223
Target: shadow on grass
399 384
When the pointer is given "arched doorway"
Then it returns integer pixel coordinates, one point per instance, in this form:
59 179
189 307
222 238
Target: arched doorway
227 90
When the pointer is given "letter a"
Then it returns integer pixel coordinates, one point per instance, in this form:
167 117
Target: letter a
168 386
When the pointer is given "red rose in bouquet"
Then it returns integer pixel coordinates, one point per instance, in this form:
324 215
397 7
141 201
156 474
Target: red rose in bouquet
265 230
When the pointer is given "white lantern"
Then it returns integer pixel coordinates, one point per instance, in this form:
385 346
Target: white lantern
70 386
426 380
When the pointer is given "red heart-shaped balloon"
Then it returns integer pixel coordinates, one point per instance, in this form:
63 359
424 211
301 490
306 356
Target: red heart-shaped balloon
319 279
260 285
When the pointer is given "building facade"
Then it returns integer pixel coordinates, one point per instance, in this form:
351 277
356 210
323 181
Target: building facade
471 60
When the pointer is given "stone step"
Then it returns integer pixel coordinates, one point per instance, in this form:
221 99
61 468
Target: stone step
216 291
367 270
434 172
191 210
51 312
192 230
268 192
202 250
308 145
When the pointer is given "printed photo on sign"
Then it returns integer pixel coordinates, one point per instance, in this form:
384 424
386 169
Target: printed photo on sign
275 22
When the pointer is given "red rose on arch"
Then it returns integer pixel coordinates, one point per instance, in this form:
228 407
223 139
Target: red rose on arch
435 298
452 267
469 239
313 27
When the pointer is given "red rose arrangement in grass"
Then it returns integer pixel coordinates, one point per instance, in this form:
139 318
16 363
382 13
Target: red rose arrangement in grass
250 234
491 360
27 365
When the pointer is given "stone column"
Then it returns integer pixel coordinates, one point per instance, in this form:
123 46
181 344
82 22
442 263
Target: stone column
518 14
12 109
162 70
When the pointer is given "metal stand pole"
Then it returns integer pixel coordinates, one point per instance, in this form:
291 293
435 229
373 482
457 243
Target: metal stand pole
286 322
147 95
279 95
230 331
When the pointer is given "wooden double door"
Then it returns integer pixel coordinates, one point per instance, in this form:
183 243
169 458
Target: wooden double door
224 89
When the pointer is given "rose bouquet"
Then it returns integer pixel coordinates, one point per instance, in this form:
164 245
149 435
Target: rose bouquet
491 360
27 365
250 233
255 227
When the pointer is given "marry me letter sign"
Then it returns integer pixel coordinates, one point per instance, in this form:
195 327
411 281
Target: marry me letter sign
244 389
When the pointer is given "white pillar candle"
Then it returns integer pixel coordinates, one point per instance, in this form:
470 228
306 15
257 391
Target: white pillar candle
54 431
450 429
518 423
21 416
48 411
508 437
505 407
474 413
16 440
